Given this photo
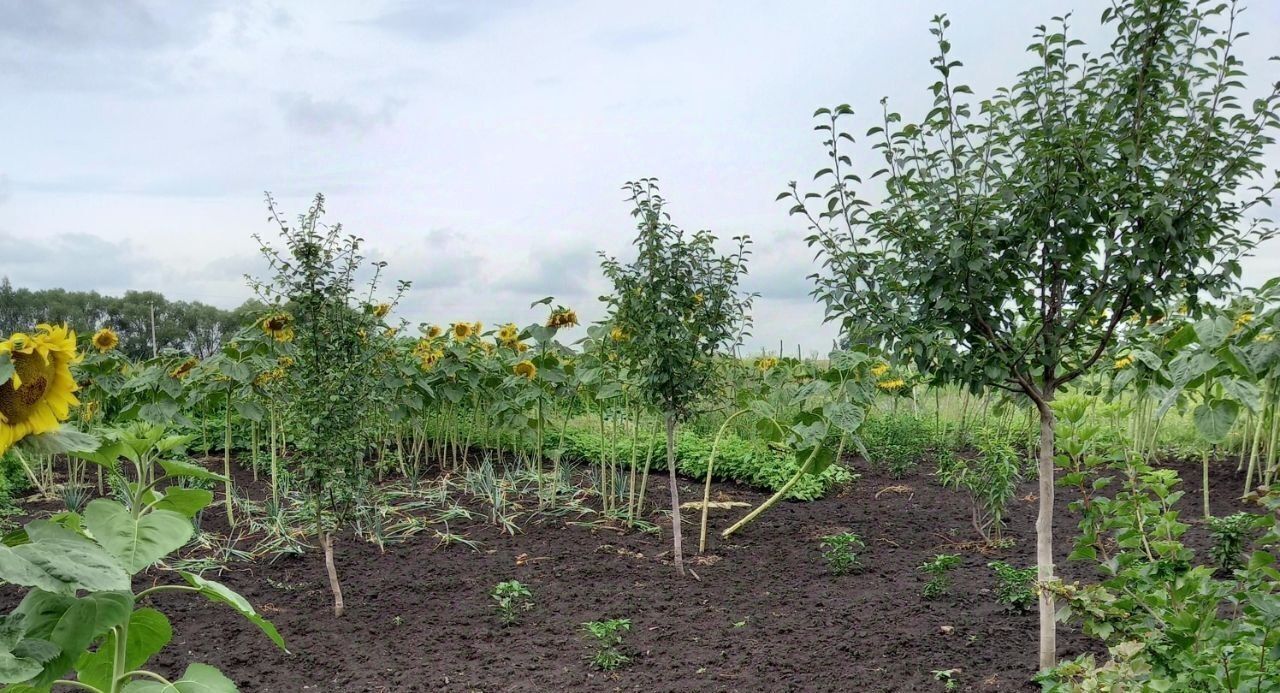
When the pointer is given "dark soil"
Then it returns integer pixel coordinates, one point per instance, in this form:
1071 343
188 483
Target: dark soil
764 615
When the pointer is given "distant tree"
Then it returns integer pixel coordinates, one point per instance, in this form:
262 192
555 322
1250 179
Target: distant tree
1014 235
186 327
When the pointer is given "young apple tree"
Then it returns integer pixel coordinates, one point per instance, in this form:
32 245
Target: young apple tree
678 309
1013 235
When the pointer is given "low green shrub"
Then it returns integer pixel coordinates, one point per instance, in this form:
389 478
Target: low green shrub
736 460
898 443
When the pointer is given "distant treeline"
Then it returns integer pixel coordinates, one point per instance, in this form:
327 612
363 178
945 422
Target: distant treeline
188 327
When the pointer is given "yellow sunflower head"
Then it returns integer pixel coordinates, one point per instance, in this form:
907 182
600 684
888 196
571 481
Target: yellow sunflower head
427 353
88 410
891 385
279 326
617 334
461 330
562 317
434 331
766 364
508 334
879 369
381 310
39 393
521 347
526 369
1124 362
105 340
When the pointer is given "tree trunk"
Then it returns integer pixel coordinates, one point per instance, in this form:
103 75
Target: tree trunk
326 540
676 549
1044 537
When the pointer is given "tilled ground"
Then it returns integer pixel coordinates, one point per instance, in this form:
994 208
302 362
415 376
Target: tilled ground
764 615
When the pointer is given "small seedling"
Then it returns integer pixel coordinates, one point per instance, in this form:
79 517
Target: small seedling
1017 586
948 677
938 568
607 635
512 598
841 551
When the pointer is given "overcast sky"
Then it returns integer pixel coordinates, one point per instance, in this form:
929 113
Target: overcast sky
479 147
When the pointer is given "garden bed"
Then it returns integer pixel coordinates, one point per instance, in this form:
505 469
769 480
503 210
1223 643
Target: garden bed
765 615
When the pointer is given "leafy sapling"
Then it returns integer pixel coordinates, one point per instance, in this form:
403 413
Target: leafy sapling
607 638
841 551
512 598
1017 586
1230 534
938 569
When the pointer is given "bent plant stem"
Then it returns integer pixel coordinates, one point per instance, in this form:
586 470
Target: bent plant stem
706 487
773 500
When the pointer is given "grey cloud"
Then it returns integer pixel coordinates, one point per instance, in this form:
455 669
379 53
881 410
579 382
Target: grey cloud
560 273
325 116
78 261
81 25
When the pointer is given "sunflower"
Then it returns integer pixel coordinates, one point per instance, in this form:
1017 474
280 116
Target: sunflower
381 310
285 361
766 364
562 317
617 334
1264 337
427 353
105 340
39 393
433 331
521 347
184 368
279 326
1124 362
461 330
1244 319
891 385
508 334
88 410
879 369
526 369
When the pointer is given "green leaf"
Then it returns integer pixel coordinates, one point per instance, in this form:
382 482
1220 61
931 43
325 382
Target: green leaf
137 542
184 501
58 560
1215 418
6 367
218 592
198 678
149 632
845 416
60 441
106 454
71 624
1212 332
250 410
187 469
1244 392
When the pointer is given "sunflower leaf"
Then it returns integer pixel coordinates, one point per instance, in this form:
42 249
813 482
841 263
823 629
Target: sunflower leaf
63 440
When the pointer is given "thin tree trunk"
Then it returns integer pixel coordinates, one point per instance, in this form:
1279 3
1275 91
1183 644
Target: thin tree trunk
326 540
1044 537
676 549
